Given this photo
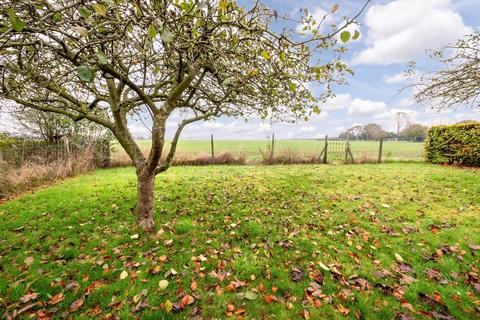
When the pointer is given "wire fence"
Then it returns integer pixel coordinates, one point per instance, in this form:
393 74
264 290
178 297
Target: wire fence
40 153
260 151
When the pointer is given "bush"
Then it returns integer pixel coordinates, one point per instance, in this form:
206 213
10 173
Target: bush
455 144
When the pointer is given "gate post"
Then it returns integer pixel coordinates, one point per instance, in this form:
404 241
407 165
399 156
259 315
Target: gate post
272 148
380 149
211 146
325 159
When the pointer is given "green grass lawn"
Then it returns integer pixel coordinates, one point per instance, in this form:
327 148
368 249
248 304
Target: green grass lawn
392 150
278 242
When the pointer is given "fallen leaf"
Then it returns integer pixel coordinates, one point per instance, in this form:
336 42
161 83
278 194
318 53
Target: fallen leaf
28 261
28 297
194 285
398 258
134 236
474 246
76 304
250 295
96 310
324 267
269 298
163 284
56 299
123 275
167 306
297 274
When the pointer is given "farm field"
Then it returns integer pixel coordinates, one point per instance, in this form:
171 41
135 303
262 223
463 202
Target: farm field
392 150
279 242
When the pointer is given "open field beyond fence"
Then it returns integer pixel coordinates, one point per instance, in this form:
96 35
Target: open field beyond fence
252 149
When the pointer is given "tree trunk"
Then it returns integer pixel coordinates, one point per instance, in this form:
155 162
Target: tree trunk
144 207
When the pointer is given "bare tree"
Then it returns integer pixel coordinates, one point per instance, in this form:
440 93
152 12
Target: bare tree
401 120
459 82
105 60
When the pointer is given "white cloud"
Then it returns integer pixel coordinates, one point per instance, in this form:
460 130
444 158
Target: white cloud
306 129
365 107
212 125
405 102
400 77
264 127
340 101
402 30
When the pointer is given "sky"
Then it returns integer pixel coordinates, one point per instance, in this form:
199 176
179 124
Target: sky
392 34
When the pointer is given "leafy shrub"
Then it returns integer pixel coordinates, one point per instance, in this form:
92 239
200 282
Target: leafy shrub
455 144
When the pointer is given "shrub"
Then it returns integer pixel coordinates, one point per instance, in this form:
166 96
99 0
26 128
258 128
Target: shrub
455 144
287 156
33 173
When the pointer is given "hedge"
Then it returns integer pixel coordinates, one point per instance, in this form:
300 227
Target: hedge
455 144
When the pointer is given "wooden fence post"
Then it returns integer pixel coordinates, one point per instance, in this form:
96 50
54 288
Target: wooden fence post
211 146
380 149
325 159
272 147
346 150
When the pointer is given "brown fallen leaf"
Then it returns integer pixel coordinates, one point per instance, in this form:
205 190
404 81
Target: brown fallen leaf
185 301
76 304
194 285
434 228
44 315
95 311
474 246
230 307
342 310
56 299
29 296
72 286
261 287
297 275
269 298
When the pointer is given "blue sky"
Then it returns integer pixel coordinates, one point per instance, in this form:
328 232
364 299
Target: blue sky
392 34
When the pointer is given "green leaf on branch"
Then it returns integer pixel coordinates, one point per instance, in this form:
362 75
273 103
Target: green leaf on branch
167 36
265 55
17 24
292 85
57 17
152 31
345 36
84 12
356 35
85 74
102 58
223 4
100 9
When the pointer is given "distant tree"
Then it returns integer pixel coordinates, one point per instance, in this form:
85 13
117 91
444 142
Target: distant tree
374 131
459 82
371 131
414 132
356 132
105 60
